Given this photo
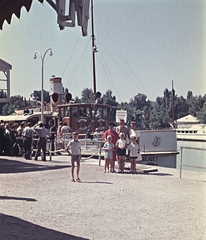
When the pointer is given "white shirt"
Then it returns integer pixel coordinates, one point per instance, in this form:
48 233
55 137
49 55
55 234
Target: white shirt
121 143
133 149
133 132
74 147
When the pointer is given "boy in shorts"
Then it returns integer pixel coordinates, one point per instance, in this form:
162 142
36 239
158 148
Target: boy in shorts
74 150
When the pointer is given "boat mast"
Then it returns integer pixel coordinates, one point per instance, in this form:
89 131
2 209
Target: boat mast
94 50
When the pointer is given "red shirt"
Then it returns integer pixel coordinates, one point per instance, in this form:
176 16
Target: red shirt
114 135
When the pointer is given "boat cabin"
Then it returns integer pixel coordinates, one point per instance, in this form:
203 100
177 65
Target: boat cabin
81 115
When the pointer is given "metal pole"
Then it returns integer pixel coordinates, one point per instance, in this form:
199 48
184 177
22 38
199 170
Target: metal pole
94 50
42 91
173 111
181 152
100 151
42 79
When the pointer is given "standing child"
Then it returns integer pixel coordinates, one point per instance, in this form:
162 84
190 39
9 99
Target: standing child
121 152
133 150
108 155
74 150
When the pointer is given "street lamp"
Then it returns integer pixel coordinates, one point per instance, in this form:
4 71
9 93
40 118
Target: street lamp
42 80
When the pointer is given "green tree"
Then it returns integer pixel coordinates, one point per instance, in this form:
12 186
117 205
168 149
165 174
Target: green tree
87 95
15 103
138 110
36 95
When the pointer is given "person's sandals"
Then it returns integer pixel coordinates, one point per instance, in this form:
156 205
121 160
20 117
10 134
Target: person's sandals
78 180
73 180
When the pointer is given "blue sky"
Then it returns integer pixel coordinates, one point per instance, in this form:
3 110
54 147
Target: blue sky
143 45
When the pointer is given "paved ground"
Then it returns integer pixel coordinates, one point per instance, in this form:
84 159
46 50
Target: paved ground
38 201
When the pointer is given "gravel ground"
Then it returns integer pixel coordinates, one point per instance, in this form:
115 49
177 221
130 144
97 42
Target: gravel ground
38 201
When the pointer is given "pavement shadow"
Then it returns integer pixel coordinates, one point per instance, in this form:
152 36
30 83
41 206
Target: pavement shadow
13 228
15 166
17 198
96 182
161 174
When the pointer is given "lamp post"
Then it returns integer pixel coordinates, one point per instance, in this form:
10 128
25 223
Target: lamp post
42 78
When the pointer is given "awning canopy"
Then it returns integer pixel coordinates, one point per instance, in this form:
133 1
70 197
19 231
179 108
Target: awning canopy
8 7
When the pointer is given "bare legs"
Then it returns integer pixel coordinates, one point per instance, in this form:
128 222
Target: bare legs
78 169
133 164
121 160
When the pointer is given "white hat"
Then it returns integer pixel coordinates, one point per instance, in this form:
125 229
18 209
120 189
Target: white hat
39 122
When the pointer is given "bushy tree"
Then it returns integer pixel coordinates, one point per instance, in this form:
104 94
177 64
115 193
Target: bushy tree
15 103
36 95
87 95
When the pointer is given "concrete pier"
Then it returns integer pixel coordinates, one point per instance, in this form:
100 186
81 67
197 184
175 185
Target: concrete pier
38 201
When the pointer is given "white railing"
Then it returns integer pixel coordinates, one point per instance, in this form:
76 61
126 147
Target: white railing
188 165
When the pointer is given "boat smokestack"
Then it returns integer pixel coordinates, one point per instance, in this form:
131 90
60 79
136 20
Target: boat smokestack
55 92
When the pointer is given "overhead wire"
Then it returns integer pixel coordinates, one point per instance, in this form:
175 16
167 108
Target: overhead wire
71 56
123 59
72 77
107 72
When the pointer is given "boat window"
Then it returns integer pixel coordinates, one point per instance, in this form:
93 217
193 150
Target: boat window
99 113
66 112
105 113
84 112
75 112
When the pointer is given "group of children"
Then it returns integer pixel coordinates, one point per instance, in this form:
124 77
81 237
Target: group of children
111 150
122 146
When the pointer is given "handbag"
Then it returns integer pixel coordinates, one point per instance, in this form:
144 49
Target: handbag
139 157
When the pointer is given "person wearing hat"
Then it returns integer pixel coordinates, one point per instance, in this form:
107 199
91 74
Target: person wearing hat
43 133
115 137
134 132
28 134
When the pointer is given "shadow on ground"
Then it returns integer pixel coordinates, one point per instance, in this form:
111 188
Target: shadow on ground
13 228
17 198
15 166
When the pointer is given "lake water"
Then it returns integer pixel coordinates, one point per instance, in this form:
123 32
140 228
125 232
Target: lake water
190 156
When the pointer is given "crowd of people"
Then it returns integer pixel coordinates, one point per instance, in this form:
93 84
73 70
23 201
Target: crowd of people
18 140
119 140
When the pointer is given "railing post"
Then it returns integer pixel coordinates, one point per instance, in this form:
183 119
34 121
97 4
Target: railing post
100 151
181 152
50 153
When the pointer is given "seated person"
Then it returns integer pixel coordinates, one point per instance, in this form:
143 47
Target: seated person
89 132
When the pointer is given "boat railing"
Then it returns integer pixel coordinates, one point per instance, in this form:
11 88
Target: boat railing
189 165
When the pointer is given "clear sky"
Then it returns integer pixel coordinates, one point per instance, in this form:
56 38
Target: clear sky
143 45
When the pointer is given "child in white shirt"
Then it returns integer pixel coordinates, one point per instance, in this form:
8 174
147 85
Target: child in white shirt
133 150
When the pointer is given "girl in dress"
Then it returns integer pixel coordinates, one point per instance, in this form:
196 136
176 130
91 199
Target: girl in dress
108 155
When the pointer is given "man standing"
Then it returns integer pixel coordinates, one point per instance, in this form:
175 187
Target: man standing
134 132
122 128
28 134
53 132
43 133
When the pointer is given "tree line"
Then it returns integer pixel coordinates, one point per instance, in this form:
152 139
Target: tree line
148 114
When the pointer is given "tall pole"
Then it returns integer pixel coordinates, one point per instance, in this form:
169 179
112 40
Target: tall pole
173 111
94 50
42 79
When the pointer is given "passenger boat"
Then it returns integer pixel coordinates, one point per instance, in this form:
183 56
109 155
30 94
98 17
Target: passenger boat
189 128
